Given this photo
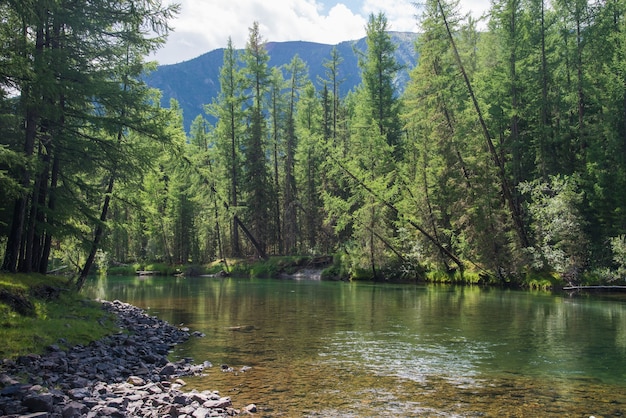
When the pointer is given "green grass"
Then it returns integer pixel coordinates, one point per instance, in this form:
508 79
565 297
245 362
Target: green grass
542 281
65 318
124 270
257 268
162 268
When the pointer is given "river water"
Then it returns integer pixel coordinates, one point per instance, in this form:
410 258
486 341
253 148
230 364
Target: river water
335 349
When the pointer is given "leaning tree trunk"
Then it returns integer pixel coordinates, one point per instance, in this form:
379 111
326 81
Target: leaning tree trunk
97 237
514 209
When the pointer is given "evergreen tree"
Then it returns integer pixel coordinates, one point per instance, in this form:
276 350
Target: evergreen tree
380 68
438 170
256 182
298 77
81 94
310 154
332 99
277 122
229 132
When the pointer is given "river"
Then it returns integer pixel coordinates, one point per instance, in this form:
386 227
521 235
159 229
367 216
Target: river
335 349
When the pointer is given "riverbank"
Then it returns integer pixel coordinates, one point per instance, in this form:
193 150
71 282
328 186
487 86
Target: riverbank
121 375
340 267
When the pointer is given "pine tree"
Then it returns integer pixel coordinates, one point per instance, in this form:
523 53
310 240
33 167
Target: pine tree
277 128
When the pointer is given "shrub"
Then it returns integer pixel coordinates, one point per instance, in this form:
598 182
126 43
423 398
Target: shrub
557 225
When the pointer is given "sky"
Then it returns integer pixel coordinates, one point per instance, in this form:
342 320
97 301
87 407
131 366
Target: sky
205 25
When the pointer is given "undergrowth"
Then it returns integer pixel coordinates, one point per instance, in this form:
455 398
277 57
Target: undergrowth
59 316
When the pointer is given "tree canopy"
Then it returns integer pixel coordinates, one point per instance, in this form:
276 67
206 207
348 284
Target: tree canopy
504 156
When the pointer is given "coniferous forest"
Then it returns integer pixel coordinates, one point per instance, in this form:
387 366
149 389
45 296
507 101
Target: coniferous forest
503 159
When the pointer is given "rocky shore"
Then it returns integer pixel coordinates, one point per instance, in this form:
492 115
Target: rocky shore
124 375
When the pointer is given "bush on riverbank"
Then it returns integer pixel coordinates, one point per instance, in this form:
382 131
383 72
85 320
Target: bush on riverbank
272 267
59 315
342 266
160 269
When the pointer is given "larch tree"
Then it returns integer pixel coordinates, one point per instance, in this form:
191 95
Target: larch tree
277 131
435 172
297 72
229 130
333 79
380 68
256 178
310 154
83 62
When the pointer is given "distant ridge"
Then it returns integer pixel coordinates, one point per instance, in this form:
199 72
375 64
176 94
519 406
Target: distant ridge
195 82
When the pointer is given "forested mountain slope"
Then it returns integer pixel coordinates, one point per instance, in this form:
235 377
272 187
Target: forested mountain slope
194 83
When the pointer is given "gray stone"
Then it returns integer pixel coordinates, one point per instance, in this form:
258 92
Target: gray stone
39 402
201 412
122 375
74 410
251 408
168 370
136 381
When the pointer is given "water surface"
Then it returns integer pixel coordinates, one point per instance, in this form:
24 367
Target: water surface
322 349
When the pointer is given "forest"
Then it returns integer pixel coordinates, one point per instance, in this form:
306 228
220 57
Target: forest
503 159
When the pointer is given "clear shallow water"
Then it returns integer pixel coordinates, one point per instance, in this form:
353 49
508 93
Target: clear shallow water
324 349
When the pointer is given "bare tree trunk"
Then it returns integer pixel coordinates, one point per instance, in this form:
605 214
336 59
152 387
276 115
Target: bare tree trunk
47 240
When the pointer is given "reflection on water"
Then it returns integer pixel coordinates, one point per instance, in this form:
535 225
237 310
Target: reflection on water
324 349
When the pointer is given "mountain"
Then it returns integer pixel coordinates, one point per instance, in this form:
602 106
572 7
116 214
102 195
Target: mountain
195 82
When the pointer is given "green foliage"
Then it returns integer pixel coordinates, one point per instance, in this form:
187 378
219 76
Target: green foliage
557 225
542 282
339 270
129 270
453 277
59 313
265 269
618 245
380 69
83 107
164 269
523 175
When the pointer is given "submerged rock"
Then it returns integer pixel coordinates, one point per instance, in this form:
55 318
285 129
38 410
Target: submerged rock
122 375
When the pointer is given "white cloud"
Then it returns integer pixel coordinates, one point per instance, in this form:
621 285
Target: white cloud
400 13
203 25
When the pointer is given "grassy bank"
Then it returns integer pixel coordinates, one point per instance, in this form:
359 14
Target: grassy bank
342 267
37 311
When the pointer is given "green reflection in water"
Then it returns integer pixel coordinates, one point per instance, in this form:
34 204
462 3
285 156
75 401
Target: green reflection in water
355 349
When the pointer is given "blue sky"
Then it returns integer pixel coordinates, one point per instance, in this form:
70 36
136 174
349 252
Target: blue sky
205 25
